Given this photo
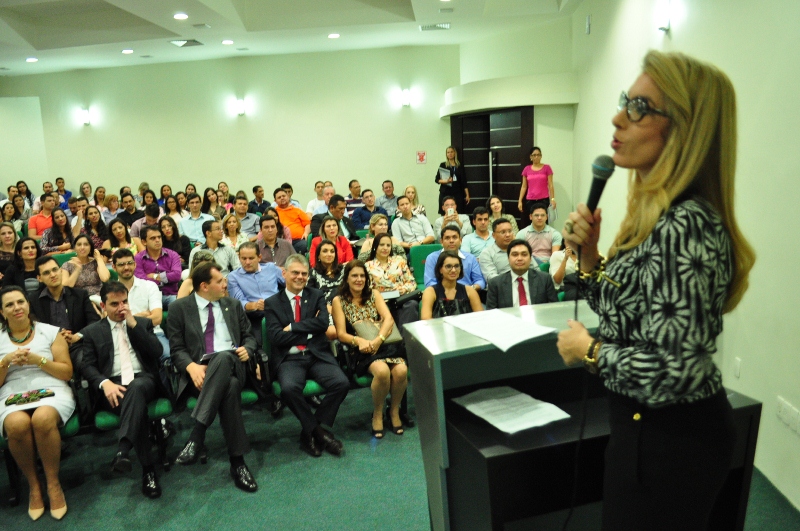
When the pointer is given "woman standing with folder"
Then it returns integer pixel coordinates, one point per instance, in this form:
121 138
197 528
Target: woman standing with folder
452 181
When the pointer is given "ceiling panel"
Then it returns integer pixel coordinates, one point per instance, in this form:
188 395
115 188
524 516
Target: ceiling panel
258 15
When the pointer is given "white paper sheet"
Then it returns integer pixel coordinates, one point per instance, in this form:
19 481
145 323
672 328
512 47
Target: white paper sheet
499 328
509 410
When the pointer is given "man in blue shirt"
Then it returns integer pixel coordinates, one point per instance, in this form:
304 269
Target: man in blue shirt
253 283
361 216
192 225
451 241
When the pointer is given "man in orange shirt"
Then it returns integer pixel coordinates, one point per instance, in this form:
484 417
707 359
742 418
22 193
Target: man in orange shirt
298 221
44 219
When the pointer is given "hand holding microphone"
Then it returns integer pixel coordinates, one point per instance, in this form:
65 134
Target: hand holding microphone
582 228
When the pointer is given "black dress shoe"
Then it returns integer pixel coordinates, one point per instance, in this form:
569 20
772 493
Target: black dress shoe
313 401
121 463
331 444
275 408
150 486
190 453
309 444
243 478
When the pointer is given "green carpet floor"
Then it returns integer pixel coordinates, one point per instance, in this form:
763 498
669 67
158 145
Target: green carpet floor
375 486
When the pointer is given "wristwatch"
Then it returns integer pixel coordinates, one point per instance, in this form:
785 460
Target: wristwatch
590 360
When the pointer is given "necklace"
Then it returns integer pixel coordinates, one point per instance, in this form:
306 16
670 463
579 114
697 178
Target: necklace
24 339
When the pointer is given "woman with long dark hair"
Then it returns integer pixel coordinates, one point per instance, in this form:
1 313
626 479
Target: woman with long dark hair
8 241
678 263
11 215
357 301
211 206
22 271
283 232
173 208
93 226
148 198
327 273
27 195
88 269
496 211
119 237
58 238
100 198
173 240
448 297
166 191
23 212
34 361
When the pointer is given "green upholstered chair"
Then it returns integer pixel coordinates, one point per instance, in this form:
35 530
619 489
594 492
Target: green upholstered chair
362 233
417 257
158 409
545 266
14 475
561 295
311 388
63 258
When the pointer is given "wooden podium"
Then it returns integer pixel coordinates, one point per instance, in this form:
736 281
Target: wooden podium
481 478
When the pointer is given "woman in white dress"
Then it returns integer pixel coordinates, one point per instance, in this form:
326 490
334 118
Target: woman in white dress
35 398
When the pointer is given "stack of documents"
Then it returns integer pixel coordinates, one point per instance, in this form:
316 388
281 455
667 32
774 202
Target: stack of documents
509 410
499 328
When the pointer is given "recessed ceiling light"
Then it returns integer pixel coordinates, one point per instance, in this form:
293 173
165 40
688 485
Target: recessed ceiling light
333 36
179 43
227 42
127 51
31 60
180 16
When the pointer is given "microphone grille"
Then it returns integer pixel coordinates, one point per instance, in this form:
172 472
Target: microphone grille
602 167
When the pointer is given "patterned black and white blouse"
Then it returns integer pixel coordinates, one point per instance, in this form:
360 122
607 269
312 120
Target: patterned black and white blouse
660 326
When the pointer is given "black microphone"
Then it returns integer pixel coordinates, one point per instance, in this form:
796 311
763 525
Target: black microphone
602 168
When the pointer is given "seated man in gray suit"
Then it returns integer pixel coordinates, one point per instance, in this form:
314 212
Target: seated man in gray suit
522 285
120 357
210 342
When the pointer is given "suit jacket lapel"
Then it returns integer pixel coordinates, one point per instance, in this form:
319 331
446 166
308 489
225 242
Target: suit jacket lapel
226 314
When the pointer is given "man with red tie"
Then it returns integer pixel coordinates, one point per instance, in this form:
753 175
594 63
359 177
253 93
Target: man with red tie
297 319
522 285
210 342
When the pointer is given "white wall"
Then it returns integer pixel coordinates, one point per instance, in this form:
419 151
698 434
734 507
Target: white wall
757 46
22 151
315 117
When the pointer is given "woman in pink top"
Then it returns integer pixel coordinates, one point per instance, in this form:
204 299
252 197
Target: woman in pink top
537 183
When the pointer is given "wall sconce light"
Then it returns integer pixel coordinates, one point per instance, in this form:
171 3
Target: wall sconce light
240 107
85 117
405 98
663 12
400 98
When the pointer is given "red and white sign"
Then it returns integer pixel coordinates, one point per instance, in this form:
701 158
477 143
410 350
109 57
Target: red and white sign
422 157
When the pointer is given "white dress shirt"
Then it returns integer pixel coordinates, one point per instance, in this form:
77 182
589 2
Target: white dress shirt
222 336
515 289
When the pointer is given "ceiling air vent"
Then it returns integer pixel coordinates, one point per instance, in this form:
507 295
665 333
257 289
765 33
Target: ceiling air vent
434 27
186 44
201 26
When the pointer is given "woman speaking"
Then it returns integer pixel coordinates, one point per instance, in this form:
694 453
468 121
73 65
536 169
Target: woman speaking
677 264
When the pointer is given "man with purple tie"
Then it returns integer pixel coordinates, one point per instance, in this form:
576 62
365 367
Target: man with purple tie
210 341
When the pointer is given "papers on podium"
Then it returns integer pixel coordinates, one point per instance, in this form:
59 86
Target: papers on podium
500 328
509 410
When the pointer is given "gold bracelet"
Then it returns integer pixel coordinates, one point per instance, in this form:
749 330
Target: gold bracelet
353 342
42 362
383 339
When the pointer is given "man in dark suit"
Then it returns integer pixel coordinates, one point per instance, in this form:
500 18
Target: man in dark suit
58 305
336 209
297 319
204 323
121 356
522 285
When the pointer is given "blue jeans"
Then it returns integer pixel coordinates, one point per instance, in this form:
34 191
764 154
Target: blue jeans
166 299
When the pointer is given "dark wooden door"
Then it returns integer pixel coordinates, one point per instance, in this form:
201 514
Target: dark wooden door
493 147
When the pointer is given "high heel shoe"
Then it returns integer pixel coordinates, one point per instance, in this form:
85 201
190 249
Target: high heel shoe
378 434
35 514
58 514
397 430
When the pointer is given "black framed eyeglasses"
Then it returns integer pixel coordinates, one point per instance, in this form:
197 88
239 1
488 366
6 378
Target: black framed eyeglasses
637 108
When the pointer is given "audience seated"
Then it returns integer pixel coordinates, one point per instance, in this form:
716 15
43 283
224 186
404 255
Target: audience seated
410 228
297 321
130 214
258 206
58 238
361 216
327 193
477 241
353 199
330 229
448 295
88 269
223 332
121 360
252 284
543 239
120 238
327 272
388 272
388 201
522 284
173 208
211 206
336 209
416 207
144 298
111 208
34 356
318 201
186 288
386 362
232 235
451 217
159 265
249 223
470 269
93 226
224 256
271 247
562 263
497 210
8 240
283 232
10 216
42 221
494 259
149 198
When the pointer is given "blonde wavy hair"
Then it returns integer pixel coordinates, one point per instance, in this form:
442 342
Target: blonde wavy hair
699 158
455 156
